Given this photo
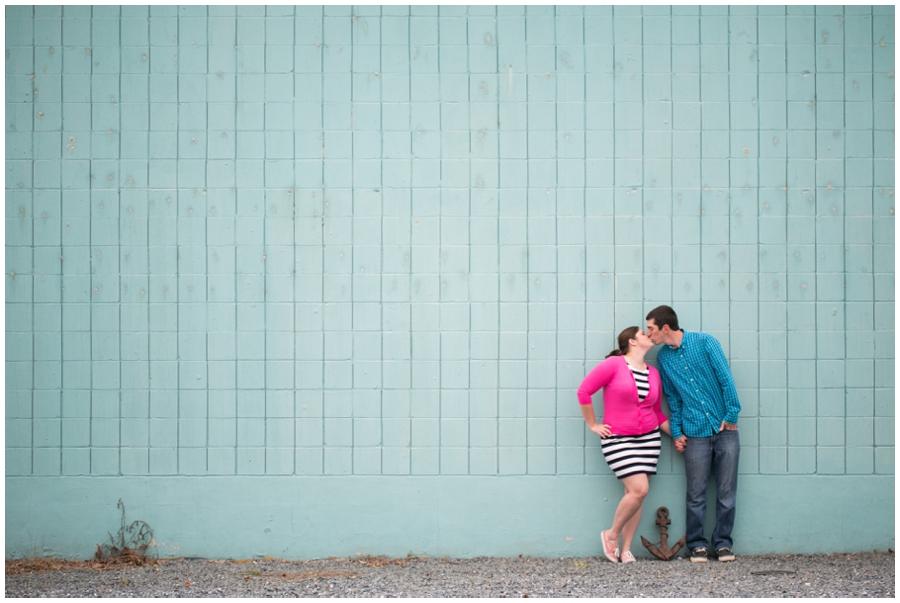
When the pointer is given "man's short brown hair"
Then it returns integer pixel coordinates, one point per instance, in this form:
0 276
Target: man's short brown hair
664 315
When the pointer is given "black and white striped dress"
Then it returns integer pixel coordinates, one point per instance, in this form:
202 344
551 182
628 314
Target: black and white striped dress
630 455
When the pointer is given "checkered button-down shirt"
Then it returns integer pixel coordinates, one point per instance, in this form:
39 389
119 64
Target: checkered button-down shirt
698 385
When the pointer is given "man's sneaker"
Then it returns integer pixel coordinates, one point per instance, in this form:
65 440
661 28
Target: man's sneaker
725 554
698 555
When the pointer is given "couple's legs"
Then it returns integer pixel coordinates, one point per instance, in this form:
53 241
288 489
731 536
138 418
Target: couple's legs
720 453
628 513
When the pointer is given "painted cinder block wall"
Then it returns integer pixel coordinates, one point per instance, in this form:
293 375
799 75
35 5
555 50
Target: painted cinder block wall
306 281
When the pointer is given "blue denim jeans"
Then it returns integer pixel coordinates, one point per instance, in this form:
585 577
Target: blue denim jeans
720 453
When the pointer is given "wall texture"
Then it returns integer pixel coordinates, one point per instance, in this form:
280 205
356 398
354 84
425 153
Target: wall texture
307 281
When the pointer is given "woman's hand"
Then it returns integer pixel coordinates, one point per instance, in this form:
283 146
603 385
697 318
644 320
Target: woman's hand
601 429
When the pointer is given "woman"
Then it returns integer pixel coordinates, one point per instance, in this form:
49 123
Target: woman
632 420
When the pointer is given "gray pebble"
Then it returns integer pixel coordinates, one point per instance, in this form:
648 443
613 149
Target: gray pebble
839 575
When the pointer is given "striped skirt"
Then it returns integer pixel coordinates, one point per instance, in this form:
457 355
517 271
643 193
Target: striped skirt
630 455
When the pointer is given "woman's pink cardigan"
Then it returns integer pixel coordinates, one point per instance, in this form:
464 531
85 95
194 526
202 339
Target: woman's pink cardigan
622 409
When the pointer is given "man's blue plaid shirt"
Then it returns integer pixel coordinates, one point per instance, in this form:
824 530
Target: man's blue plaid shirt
698 385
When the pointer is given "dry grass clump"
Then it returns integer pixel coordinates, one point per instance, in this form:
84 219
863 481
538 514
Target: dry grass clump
127 557
381 561
34 565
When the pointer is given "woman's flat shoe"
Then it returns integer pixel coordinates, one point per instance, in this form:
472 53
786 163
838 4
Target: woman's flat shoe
628 557
610 552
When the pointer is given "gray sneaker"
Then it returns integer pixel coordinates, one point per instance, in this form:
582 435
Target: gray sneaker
725 554
698 555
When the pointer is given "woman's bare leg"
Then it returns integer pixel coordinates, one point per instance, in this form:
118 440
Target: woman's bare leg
630 529
636 488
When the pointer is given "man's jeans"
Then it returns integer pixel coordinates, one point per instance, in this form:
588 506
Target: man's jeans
719 452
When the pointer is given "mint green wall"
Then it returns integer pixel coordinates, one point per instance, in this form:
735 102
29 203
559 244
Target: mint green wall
338 271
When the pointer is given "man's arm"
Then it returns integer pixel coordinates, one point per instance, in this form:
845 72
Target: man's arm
725 378
673 399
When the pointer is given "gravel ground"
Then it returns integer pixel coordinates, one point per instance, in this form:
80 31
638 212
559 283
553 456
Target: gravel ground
857 575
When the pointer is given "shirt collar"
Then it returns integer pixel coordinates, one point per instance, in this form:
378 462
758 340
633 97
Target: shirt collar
684 338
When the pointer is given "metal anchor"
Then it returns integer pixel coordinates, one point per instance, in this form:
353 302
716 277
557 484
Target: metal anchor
661 549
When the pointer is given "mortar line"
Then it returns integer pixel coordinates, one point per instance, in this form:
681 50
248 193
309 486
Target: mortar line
614 272
641 191
149 203
238 362
119 175
146 200
381 236
555 228
872 205
729 189
759 383
527 188
498 190
843 206
815 193
701 186
785 196
352 253
322 304
584 246
409 228
672 189
90 301
178 275
206 287
294 194
33 272
469 255
872 196
265 279
62 357
440 366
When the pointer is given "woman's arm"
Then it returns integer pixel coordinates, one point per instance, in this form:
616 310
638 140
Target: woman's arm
587 411
656 387
595 380
665 427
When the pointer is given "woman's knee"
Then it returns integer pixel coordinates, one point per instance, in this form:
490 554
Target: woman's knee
638 489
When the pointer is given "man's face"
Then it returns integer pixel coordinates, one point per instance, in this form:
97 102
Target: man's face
653 332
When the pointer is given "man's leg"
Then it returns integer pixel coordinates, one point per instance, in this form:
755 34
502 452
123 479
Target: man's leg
697 463
726 454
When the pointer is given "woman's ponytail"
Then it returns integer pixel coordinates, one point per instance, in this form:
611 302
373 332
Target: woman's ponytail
624 337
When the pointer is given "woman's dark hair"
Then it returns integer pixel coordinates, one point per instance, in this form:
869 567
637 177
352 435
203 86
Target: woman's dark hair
624 337
664 315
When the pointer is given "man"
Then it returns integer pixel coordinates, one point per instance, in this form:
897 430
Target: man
705 407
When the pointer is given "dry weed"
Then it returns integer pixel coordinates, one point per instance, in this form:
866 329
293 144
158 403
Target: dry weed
125 557
309 575
33 565
381 561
